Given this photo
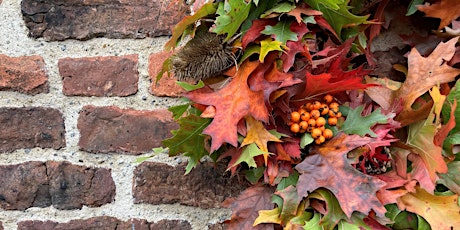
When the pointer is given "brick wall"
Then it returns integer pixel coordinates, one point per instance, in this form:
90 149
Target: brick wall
78 107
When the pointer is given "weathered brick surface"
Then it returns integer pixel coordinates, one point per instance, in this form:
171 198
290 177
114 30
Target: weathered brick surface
72 186
61 184
111 129
31 127
105 223
205 186
76 19
26 74
1 225
218 226
166 86
99 76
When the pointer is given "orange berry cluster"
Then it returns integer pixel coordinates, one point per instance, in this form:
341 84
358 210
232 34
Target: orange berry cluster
313 116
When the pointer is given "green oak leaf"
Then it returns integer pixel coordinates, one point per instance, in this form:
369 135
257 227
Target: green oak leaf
190 87
188 139
305 140
178 110
287 181
248 154
313 223
268 45
232 13
179 28
336 13
291 202
253 175
355 123
335 212
451 179
446 109
283 7
281 31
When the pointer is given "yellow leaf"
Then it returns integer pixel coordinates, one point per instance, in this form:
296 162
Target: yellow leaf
268 216
441 212
268 45
258 134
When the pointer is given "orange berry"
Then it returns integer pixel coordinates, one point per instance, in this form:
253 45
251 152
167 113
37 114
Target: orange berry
327 133
312 122
321 121
309 129
320 140
303 125
332 121
338 114
295 128
324 109
316 105
315 133
295 116
333 105
315 114
305 116
331 113
322 128
328 98
308 106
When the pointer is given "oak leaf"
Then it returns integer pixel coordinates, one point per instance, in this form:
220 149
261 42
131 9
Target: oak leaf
259 135
361 125
441 212
446 10
299 10
421 138
232 102
246 206
424 73
328 167
232 14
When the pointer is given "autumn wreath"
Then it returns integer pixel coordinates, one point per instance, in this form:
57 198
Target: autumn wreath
284 92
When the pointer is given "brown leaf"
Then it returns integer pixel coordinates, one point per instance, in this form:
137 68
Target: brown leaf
245 208
232 102
328 167
424 73
446 10
441 212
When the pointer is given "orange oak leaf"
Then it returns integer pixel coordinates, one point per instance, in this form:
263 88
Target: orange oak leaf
441 212
299 10
329 167
423 74
232 102
245 208
446 10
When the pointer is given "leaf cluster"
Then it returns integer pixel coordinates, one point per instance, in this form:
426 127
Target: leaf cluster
393 153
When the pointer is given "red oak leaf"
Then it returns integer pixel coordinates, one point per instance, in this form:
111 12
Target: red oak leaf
245 208
255 30
232 103
328 167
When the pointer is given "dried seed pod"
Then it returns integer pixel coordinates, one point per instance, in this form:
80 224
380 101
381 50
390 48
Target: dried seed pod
205 55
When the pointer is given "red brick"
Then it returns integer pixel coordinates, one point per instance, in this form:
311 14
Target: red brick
31 127
128 131
83 20
24 74
205 186
61 184
99 76
167 85
105 223
218 226
72 186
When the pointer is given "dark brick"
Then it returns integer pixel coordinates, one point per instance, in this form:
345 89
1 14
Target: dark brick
105 223
1 225
111 129
72 186
24 74
166 86
61 184
218 226
31 127
99 76
206 186
171 225
23 186
76 19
